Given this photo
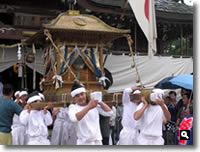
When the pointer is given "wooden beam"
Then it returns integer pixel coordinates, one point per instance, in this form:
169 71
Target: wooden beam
44 104
80 44
181 39
108 98
28 33
15 34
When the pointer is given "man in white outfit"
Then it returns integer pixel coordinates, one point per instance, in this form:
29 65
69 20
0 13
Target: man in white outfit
36 121
150 118
129 131
85 115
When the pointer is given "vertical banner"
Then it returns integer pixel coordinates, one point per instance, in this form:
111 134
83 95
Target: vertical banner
144 11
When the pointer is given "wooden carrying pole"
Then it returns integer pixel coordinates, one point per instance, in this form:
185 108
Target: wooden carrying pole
112 99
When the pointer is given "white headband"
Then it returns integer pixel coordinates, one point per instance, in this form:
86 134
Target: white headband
23 93
137 92
77 91
34 98
17 93
41 96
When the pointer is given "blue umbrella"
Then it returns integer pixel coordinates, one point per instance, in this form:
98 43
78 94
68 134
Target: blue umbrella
165 84
184 81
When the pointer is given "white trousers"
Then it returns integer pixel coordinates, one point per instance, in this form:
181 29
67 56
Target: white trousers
39 140
18 135
150 140
63 133
57 132
128 136
95 142
69 134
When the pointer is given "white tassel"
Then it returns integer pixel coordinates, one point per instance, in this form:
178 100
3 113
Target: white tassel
33 48
56 80
19 53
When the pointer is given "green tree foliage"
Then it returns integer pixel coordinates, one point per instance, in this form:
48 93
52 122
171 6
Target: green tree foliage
174 48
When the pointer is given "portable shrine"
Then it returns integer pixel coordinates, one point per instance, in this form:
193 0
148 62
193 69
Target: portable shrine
73 46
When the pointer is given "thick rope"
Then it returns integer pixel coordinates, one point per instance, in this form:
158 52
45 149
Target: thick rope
123 13
130 42
46 32
9 46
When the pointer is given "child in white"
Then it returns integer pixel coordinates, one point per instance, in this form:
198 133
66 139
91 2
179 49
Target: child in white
129 131
85 115
22 98
63 129
36 121
88 128
18 129
150 119
17 93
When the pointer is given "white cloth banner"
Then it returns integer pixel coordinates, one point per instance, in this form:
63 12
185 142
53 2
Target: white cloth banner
10 58
151 70
144 11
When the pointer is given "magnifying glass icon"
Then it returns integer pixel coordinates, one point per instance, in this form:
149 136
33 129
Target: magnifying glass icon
184 134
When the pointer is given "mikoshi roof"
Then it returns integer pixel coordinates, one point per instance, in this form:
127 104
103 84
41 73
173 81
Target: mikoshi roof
72 26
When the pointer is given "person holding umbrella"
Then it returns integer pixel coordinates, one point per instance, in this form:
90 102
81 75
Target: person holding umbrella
180 102
185 82
187 98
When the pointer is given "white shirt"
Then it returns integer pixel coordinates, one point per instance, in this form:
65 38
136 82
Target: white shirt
36 122
129 108
16 120
63 114
88 128
151 121
113 117
63 130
